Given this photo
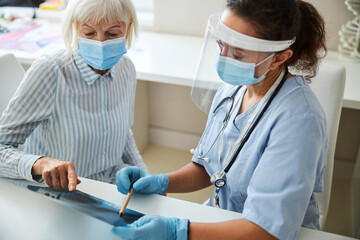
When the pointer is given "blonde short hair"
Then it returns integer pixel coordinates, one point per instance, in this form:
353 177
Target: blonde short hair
96 11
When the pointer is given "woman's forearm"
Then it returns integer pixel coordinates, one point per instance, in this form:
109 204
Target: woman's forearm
191 177
234 229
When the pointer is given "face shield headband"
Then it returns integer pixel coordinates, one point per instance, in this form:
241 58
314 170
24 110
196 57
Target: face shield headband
207 80
237 39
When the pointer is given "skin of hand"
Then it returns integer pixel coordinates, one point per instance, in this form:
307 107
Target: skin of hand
56 173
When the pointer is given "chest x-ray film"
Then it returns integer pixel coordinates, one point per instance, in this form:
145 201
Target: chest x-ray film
88 204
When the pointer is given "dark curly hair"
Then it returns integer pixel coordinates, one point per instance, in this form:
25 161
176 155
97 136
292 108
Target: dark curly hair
284 20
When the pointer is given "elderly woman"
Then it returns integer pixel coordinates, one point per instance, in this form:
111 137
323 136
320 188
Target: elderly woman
265 144
74 108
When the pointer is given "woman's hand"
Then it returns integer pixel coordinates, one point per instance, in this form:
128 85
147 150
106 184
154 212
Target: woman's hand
154 227
143 181
56 173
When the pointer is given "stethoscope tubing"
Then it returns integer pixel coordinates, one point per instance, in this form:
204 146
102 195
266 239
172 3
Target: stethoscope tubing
225 122
246 137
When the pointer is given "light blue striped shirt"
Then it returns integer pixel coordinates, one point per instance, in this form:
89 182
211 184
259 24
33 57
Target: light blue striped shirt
64 110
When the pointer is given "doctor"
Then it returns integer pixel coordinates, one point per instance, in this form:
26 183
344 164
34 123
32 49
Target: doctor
265 144
74 107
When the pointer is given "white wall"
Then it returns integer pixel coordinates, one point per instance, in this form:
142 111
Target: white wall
335 14
189 17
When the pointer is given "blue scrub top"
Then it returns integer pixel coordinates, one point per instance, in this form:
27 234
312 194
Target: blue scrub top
274 177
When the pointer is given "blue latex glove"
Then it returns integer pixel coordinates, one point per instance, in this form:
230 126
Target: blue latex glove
143 181
154 227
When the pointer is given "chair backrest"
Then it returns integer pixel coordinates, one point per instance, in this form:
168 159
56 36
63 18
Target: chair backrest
11 74
328 86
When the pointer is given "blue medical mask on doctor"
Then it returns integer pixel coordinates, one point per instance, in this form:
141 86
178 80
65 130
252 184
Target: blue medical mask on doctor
236 72
101 55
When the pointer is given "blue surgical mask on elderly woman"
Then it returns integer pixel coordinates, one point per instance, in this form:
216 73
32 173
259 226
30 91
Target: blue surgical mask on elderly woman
236 72
101 55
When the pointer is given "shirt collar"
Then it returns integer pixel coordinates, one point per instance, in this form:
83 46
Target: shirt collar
87 73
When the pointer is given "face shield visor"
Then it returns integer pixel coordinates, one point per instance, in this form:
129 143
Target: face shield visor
231 57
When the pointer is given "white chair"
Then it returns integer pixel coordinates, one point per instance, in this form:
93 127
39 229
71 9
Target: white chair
11 74
328 86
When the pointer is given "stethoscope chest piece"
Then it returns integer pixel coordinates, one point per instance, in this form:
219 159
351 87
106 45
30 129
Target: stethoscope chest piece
218 180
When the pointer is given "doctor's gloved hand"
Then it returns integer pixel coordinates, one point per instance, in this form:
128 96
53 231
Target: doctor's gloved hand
143 181
154 227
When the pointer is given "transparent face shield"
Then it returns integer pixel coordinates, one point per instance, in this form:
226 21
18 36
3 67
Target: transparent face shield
231 57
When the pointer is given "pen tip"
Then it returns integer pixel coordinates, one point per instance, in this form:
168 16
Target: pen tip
121 214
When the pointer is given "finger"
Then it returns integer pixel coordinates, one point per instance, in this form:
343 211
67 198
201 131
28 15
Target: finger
55 178
143 221
135 173
63 177
123 180
126 232
47 178
73 180
140 229
143 185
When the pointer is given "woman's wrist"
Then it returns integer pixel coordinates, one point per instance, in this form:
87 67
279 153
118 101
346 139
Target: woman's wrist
38 166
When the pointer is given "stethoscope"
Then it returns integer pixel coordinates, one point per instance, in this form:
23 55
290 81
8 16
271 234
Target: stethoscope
224 124
218 179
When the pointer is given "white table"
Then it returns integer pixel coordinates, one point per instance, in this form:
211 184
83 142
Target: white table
25 214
